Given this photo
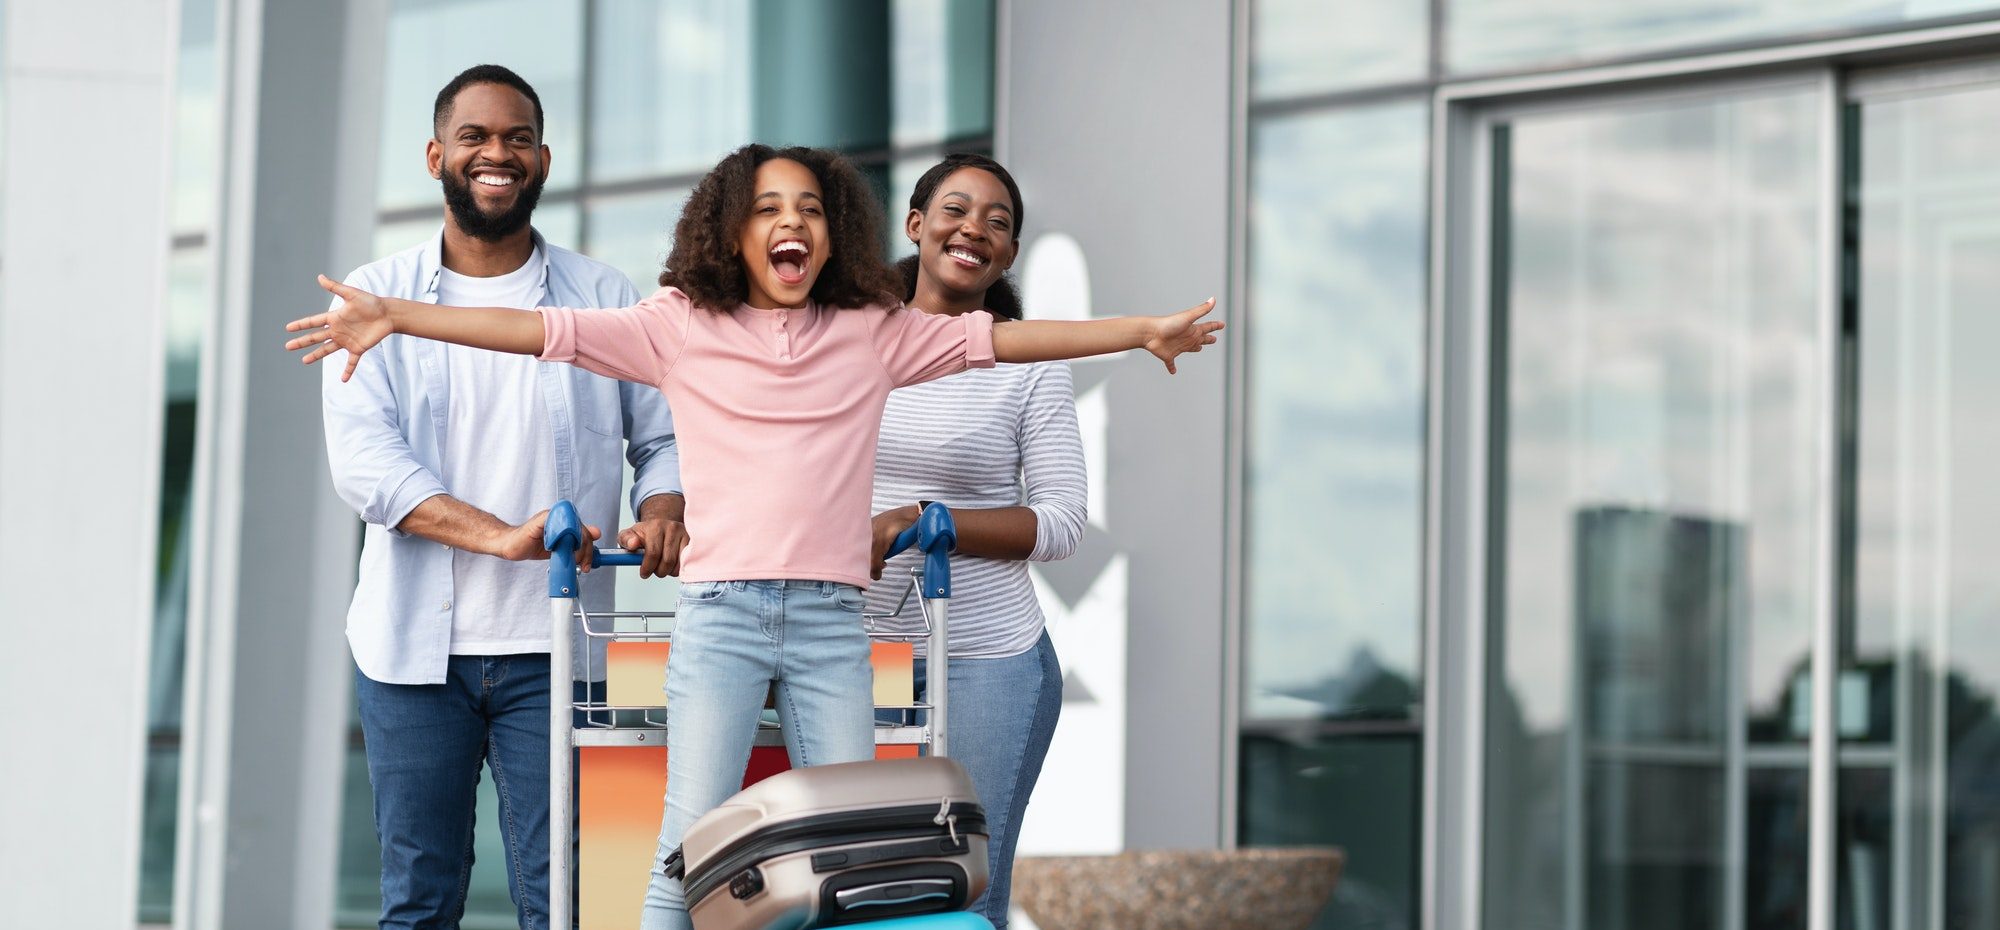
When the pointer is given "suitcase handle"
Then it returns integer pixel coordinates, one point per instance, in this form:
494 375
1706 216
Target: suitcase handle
884 891
894 894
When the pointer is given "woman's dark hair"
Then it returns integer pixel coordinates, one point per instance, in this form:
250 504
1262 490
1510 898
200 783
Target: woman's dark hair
1001 298
704 263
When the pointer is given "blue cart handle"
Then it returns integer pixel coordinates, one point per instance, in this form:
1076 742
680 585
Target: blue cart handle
561 536
934 535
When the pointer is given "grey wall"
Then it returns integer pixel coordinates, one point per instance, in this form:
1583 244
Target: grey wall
273 562
82 376
1142 184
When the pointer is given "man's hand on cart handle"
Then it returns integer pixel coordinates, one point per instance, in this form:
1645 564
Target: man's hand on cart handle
889 524
524 542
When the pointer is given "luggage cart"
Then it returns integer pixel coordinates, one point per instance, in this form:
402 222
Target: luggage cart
598 722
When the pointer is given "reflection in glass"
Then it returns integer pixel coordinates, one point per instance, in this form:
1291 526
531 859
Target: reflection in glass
1300 47
942 68
430 43
1927 596
633 234
1658 408
1359 793
188 300
1335 432
670 85
1489 35
903 177
197 118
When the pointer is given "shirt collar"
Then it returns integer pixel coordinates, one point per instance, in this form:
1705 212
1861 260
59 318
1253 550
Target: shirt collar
432 261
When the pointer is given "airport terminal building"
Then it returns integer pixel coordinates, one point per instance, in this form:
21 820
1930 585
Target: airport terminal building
1586 527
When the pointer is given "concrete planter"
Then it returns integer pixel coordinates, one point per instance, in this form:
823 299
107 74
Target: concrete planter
1241 889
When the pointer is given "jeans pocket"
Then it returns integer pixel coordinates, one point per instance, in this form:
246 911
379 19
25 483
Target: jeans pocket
702 592
850 598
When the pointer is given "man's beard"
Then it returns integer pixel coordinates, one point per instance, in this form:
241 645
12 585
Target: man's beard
459 199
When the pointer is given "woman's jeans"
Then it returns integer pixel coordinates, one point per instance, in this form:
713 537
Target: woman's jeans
1001 716
732 641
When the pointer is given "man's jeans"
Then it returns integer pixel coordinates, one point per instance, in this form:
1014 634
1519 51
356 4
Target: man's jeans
1002 718
732 641
425 746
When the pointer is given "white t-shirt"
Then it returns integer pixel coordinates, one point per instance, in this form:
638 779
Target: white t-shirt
499 456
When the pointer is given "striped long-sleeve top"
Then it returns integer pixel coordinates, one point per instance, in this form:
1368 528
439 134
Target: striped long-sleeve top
1005 436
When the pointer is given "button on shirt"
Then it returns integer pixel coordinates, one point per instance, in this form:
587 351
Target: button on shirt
781 409
499 457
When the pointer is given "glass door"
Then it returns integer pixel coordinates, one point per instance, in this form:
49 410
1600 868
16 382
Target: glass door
1919 829
1659 414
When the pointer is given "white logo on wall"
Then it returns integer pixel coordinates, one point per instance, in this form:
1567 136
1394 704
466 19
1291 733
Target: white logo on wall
1079 802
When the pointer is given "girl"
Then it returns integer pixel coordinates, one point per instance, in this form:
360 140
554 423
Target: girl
969 440
776 337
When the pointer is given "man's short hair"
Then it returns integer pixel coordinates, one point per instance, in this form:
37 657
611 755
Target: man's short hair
481 74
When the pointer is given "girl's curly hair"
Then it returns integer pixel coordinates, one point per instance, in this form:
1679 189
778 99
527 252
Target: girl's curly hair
704 264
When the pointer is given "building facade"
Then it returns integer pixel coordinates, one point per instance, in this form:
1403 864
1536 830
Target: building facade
1584 526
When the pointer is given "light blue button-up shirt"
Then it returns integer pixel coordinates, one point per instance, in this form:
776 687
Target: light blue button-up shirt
385 432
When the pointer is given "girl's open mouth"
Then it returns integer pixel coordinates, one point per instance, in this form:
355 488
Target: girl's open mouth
788 261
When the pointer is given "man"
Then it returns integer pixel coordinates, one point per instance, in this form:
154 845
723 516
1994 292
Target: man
451 456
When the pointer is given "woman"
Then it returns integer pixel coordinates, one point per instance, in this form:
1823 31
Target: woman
1000 448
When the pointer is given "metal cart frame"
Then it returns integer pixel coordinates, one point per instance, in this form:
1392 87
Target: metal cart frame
605 724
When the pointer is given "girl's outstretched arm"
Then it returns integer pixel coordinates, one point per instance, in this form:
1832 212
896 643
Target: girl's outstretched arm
362 320
1047 340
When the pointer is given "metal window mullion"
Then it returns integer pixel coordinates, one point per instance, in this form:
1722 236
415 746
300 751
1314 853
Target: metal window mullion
1454 641
587 40
1822 775
1235 426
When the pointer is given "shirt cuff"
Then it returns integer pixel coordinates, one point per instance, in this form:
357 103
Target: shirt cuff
978 339
558 334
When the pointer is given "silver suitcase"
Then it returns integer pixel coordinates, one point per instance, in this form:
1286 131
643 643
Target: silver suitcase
836 844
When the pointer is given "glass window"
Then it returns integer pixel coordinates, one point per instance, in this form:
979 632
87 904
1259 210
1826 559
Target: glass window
670 85
1300 47
430 42
942 70
1335 430
1921 811
188 300
1490 35
1659 428
1361 793
634 233
197 119
903 175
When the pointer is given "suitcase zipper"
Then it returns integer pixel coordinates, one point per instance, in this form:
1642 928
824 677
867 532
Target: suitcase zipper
852 826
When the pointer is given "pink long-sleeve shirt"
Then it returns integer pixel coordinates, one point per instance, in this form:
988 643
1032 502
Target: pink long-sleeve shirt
777 413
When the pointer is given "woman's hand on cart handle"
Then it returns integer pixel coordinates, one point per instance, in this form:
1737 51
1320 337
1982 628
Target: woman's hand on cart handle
662 541
524 542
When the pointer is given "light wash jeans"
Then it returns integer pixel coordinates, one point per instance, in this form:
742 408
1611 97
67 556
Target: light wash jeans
732 641
1002 718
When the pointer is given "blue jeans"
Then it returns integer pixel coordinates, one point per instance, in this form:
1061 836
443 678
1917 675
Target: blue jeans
425 746
1002 716
732 641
